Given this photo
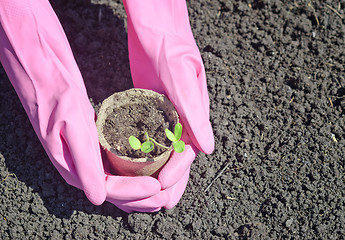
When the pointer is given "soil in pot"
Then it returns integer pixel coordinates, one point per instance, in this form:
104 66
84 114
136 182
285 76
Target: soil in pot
135 120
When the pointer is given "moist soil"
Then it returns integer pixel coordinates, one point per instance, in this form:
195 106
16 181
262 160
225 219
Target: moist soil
135 120
275 74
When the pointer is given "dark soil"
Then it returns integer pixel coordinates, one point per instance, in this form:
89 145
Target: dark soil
275 73
135 120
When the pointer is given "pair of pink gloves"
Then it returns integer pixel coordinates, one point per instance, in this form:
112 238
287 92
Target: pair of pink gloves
163 56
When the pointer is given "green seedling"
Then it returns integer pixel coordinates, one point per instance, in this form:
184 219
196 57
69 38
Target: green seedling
149 143
175 137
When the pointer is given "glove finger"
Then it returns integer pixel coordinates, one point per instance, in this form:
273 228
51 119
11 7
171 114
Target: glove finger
151 204
175 192
178 164
183 76
131 188
133 209
167 198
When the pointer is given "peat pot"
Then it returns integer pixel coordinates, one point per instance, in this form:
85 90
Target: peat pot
134 112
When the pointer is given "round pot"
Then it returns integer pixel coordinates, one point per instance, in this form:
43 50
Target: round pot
124 165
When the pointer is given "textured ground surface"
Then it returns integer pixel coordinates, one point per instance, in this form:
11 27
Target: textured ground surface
277 88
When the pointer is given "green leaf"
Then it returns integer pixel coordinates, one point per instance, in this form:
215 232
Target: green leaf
170 135
147 147
178 131
134 142
179 146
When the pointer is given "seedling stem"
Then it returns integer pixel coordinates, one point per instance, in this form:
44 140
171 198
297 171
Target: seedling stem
154 141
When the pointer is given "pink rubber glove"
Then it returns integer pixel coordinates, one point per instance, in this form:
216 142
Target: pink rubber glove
165 58
38 60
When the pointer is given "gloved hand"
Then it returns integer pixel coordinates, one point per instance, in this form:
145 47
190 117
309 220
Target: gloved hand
37 58
165 58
